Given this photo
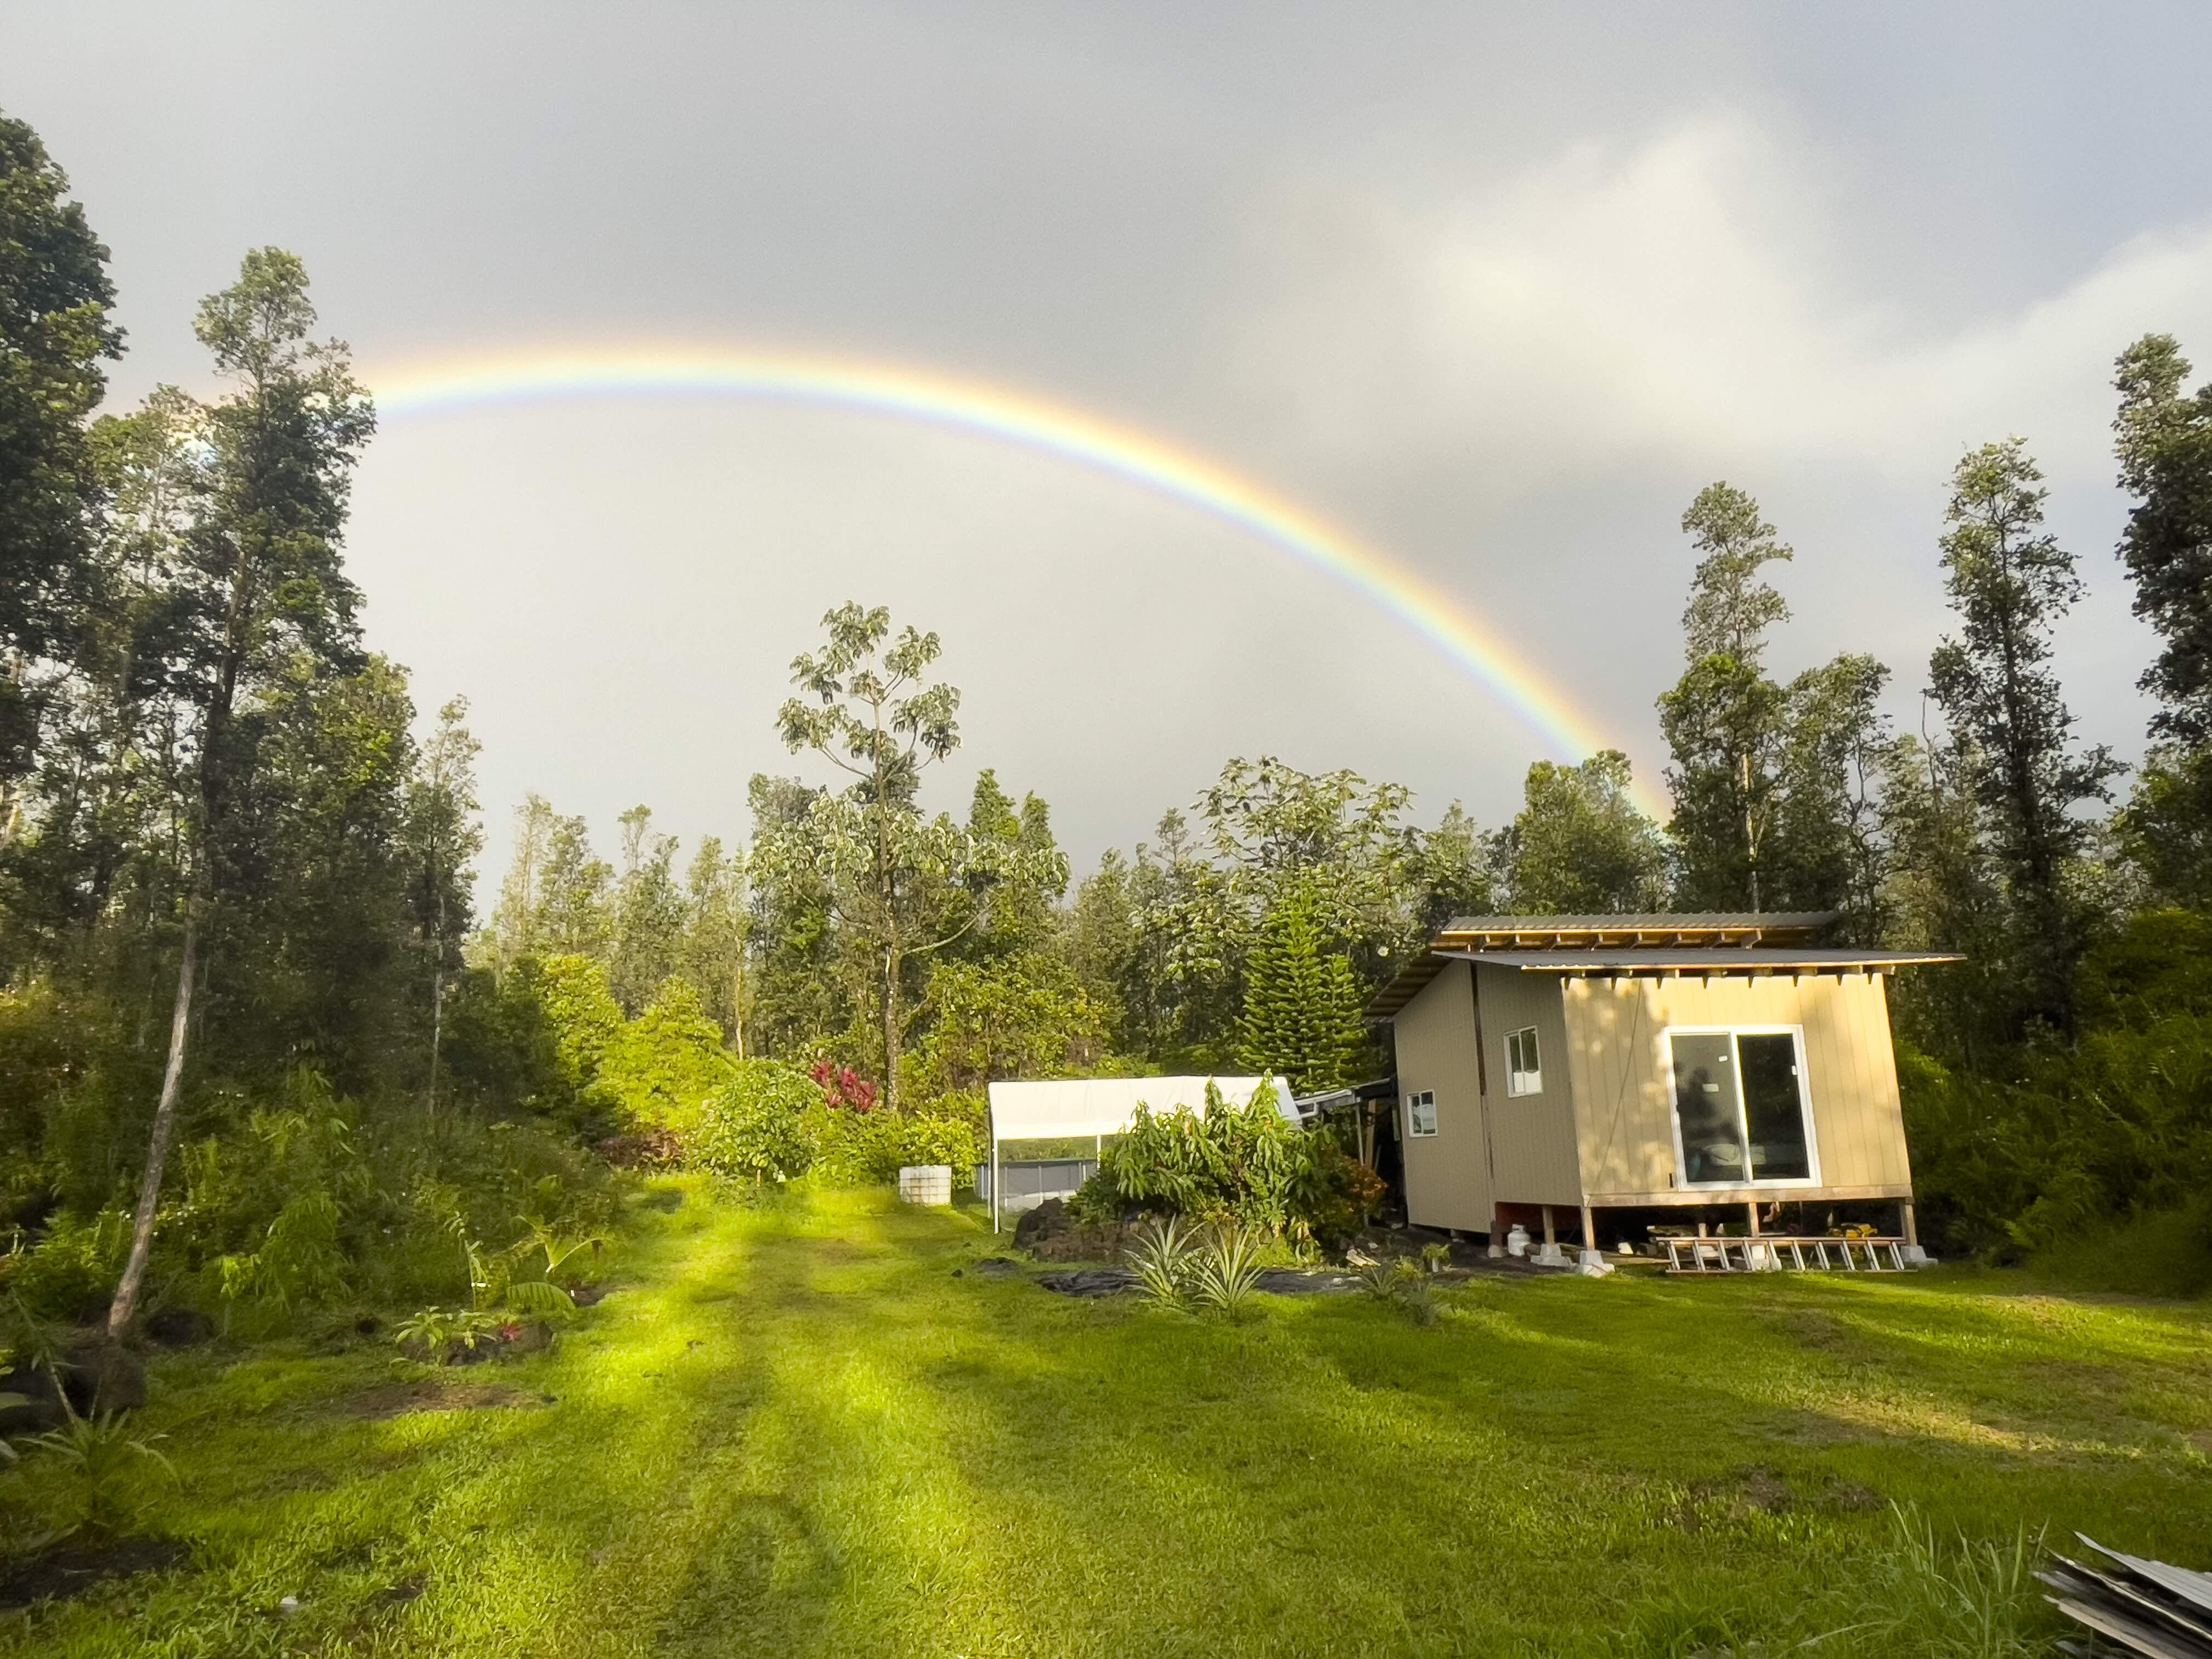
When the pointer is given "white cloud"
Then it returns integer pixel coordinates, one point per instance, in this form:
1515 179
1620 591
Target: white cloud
1683 300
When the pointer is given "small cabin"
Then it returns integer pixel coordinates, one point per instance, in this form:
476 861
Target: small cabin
1551 1069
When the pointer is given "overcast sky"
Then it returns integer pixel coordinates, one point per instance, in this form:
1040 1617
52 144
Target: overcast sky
1496 289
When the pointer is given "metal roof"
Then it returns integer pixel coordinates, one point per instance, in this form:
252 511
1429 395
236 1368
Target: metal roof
1691 961
1645 921
1711 928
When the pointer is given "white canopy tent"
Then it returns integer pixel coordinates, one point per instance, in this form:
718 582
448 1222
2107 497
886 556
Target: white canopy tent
1102 1106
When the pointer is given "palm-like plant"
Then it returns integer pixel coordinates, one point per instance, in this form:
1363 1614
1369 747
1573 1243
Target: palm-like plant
1165 1258
105 1459
1227 1274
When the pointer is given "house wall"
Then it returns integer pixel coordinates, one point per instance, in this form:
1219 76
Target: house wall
1447 1173
1532 1136
1623 1083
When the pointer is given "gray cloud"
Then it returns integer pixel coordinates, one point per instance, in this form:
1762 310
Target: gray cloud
1498 289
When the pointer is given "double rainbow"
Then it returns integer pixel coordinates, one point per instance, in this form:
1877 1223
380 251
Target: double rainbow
1012 417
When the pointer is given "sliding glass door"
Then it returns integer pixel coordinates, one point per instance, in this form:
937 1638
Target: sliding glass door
1741 1118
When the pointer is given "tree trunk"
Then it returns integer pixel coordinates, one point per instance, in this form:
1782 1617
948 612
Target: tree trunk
437 1001
737 1001
125 1308
437 1030
890 1027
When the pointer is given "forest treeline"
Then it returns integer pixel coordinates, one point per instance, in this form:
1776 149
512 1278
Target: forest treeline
258 1044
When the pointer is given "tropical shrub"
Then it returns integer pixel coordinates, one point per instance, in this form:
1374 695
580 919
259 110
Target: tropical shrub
862 1149
1247 1165
73 1266
756 1126
441 1333
107 1464
1402 1284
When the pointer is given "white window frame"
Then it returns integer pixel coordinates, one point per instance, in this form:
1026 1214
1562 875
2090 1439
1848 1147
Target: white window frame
1414 1104
1519 1080
1796 1034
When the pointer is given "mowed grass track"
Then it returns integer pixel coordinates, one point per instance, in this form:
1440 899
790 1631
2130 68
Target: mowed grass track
795 1431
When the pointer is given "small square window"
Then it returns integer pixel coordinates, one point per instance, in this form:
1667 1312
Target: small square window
1524 1071
1421 1113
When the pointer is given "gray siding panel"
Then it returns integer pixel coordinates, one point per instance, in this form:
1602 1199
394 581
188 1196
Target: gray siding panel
1533 1136
1447 1173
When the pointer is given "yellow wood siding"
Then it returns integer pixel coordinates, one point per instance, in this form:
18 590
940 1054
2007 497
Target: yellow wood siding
1624 1089
1447 1173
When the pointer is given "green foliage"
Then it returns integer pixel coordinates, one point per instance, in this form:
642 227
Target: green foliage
1225 1276
1580 844
1773 785
299 1261
668 1061
2164 441
2082 1141
54 331
440 1333
1165 1258
1341 1194
862 1148
2010 582
755 1126
2165 830
1302 1006
1401 1284
1023 1015
72 1270
1227 1163
587 1026
107 1493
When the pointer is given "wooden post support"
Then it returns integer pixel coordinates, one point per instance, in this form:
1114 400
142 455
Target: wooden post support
1906 1224
1754 1208
1590 1228
1550 1241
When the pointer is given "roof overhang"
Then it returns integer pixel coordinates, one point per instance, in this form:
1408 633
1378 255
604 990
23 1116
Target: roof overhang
1691 961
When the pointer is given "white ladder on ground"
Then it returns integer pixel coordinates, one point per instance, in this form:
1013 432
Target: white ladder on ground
1775 1253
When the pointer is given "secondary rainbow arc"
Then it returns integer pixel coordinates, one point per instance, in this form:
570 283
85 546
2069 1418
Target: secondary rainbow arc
456 384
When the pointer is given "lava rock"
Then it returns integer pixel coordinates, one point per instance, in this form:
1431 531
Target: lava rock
103 1378
179 1328
1047 1221
1090 1282
535 1336
41 1408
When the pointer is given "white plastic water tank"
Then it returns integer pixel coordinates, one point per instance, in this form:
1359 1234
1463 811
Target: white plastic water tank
926 1183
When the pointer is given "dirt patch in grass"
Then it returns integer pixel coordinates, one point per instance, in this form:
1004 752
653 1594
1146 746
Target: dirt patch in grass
400 1399
1817 1329
1737 1496
70 1569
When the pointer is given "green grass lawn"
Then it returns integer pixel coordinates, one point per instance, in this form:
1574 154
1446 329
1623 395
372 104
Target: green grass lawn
799 1430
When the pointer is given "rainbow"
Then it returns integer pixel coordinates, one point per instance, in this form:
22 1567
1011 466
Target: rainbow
1006 416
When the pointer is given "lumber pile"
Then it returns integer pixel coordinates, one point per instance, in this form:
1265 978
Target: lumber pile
2134 1606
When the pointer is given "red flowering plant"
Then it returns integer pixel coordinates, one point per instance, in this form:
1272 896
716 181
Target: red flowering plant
841 1085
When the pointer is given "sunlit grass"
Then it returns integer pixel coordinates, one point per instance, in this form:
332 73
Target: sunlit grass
811 1428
